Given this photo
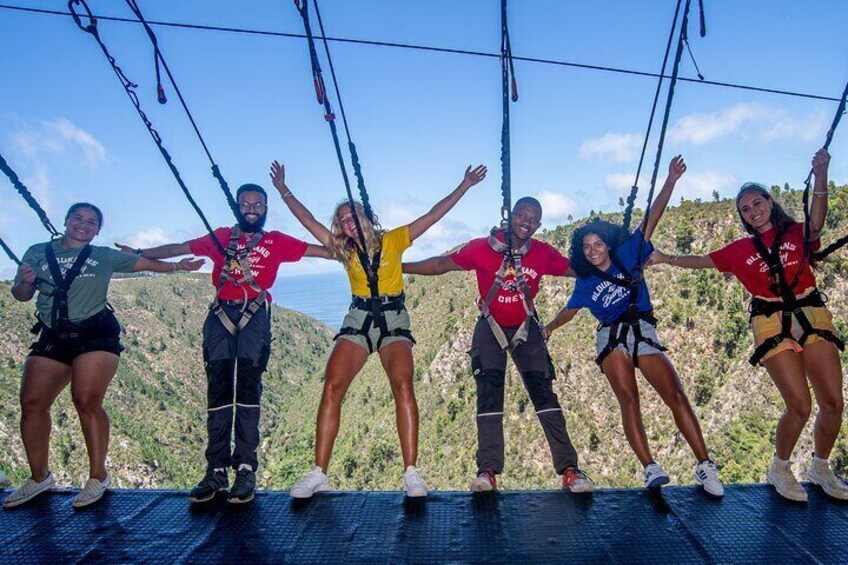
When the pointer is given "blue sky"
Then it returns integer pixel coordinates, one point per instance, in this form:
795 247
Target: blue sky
418 118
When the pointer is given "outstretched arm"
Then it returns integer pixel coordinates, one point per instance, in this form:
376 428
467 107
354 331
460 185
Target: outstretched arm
684 261
818 207
317 251
318 230
146 264
425 222
675 170
162 252
563 317
432 266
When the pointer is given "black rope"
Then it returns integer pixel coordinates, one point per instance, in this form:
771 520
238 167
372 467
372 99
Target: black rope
9 252
840 110
671 86
129 88
160 59
330 117
631 199
28 197
509 92
431 48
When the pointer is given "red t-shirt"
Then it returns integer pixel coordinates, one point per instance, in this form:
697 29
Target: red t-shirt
506 308
742 259
265 258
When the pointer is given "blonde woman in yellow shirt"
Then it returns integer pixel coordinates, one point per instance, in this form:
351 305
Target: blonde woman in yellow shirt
380 324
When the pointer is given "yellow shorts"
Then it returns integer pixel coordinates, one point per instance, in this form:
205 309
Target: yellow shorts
765 327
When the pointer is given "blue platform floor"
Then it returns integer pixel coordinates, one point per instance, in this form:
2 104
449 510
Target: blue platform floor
752 524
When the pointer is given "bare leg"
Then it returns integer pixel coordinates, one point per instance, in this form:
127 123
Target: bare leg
659 371
346 360
786 369
618 367
397 361
821 361
92 373
43 380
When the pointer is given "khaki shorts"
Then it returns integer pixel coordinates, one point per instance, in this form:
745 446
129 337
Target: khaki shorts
765 327
394 320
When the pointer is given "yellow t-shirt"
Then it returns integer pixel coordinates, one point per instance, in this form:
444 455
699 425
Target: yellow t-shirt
390 273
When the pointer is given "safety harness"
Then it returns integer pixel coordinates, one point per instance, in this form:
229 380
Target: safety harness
376 306
630 320
60 322
789 305
237 259
510 257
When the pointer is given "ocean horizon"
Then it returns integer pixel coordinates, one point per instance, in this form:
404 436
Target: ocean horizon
323 296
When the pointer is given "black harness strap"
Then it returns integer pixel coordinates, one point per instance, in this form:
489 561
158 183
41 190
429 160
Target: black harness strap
60 319
129 88
9 252
160 59
238 259
631 319
789 306
29 198
376 308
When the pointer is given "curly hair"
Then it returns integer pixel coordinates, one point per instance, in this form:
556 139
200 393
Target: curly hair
780 218
343 248
611 234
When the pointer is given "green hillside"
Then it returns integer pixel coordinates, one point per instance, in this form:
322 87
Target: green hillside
157 401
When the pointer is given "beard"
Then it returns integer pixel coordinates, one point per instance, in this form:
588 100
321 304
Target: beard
254 227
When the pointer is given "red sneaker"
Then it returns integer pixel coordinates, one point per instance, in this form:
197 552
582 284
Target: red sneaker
484 482
576 480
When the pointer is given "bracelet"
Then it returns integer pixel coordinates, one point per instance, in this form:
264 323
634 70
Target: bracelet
287 194
673 259
176 267
139 251
819 193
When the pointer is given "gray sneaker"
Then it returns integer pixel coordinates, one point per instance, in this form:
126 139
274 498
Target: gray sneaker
780 476
91 492
821 474
314 481
27 491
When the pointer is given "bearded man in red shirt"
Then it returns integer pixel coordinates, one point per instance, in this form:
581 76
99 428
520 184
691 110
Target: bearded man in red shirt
237 336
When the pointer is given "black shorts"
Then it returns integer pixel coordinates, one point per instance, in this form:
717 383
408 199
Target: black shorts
101 332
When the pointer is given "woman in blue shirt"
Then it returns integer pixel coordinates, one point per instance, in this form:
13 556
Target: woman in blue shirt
608 262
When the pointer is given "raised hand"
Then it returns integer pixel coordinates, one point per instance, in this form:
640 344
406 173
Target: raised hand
26 274
278 177
821 161
473 177
676 168
188 264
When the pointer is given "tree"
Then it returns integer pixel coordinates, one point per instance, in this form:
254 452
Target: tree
716 196
621 201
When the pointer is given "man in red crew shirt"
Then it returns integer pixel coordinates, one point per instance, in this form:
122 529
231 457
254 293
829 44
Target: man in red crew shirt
237 337
508 308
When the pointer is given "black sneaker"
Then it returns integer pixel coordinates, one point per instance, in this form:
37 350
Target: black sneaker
243 487
213 482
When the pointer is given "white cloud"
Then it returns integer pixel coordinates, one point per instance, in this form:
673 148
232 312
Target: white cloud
616 147
701 185
59 137
701 128
805 128
150 237
555 207
623 182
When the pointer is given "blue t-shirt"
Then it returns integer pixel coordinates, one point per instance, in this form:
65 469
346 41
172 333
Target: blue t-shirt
608 301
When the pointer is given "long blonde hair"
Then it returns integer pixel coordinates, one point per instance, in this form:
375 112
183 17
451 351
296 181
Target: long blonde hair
343 248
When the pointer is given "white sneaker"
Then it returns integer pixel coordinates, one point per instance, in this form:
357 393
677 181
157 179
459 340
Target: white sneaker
780 476
413 484
27 491
655 475
91 492
820 473
314 481
707 474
